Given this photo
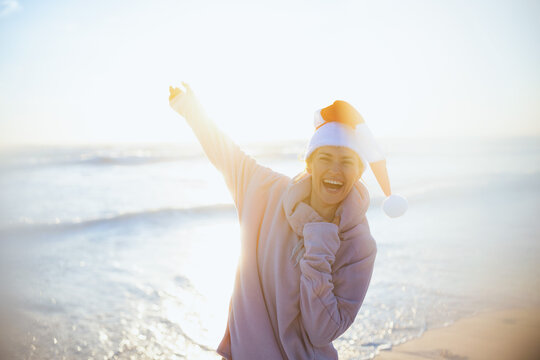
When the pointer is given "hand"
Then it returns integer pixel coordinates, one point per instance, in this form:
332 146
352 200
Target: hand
184 97
176 91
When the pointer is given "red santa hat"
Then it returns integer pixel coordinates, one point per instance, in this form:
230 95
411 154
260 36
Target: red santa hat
340 124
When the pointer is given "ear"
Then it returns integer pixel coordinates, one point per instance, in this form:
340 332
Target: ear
361 168
308 166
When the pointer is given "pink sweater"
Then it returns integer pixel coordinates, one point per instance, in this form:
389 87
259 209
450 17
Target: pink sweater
280 309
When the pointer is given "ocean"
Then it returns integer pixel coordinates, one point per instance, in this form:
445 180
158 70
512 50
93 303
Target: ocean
129 251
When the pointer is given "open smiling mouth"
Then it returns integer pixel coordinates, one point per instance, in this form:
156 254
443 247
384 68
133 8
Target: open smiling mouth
332 186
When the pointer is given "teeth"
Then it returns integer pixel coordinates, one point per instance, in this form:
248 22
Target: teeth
335 182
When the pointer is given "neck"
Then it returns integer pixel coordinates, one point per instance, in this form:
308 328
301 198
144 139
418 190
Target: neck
327 212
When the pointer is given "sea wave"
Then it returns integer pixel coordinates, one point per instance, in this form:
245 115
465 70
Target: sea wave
92 159
26 157
150 215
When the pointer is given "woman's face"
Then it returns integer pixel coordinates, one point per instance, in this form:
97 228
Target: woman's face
334 170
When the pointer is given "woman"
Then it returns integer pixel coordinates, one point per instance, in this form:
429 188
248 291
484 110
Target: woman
307 254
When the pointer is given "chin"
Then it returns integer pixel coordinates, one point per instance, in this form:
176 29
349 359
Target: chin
333 199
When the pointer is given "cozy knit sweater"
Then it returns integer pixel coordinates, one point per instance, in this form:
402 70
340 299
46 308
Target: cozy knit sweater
281 309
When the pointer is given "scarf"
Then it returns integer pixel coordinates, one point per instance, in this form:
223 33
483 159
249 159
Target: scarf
298 213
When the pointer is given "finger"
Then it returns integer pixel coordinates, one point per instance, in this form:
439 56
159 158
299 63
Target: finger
186 85
173 92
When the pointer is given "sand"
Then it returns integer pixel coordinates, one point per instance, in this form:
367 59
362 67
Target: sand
511 334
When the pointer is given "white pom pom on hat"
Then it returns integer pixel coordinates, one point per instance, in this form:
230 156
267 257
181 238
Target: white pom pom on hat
340 124
395 205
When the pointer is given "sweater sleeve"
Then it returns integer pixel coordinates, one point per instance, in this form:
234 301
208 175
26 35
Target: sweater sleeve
236 167
330 300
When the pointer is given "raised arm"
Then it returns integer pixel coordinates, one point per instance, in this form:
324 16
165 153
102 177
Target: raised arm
331 297
237 167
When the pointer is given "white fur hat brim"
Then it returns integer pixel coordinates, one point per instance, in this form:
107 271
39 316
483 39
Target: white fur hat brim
334 134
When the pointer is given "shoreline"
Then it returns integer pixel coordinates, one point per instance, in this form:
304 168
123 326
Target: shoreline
511 333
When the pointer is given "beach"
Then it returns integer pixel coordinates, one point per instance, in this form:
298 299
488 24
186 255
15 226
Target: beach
496 334
118 252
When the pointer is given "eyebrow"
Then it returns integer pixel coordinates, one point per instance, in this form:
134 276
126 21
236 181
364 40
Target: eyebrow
346 157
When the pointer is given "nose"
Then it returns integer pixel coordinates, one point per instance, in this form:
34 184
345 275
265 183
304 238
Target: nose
335 167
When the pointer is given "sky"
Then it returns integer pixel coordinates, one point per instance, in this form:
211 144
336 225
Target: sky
79 72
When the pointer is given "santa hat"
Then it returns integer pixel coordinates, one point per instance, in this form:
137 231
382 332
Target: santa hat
340 124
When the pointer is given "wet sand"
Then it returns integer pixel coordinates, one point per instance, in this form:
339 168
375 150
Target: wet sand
511 334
